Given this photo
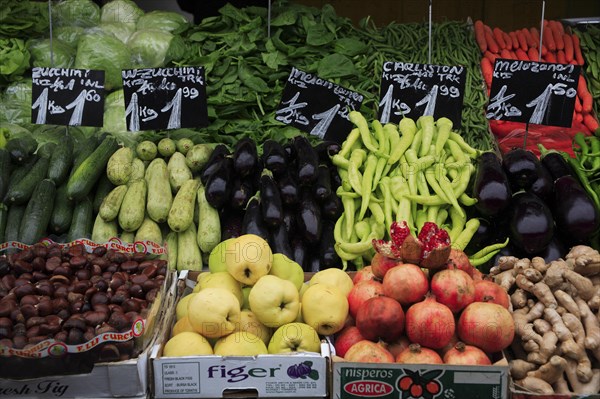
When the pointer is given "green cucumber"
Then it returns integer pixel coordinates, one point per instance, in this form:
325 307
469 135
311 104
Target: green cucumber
103 188
62 214
13 222
22 191
81 223
3 219
5 167
38 212
61 161
20 171
21 148
86 175
109 209
82 151
46 150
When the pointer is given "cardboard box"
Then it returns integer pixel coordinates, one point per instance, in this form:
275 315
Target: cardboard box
353 380
243 376
127 379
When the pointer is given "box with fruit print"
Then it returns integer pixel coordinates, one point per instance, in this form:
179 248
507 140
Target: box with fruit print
216 345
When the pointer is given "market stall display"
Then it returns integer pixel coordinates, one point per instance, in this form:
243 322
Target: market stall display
389 253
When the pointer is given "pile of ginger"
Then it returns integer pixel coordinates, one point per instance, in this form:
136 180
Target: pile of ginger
556 310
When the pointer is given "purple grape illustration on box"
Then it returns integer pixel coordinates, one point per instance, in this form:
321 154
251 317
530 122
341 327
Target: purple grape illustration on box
303 370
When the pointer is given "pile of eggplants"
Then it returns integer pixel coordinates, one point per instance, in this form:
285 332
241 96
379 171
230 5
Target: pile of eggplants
537 202
286 194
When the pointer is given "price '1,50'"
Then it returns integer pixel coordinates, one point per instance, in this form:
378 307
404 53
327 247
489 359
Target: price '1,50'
44 106
429 100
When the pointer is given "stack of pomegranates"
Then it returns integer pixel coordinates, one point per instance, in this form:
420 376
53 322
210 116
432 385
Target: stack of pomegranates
439 311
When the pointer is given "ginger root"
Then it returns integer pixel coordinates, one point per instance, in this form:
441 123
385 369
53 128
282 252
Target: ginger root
519 298
539 264
566 301
584 286
519 368
550 371
590 325
535 385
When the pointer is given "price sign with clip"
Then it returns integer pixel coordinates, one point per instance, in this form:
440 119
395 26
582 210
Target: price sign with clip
64 96
533 92
317 106
165 98
413 90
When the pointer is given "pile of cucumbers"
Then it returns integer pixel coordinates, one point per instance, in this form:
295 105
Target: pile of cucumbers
157 196
51 190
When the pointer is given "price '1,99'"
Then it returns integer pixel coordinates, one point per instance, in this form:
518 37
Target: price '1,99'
137 113
45 106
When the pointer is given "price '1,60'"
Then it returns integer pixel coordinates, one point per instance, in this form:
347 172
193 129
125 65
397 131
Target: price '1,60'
77 105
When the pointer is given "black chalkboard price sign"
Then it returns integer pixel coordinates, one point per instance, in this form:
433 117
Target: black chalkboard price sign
70 97
539 93
317 106
164 98
414 90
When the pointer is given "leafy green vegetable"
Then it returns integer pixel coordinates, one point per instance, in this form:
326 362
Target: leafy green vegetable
84 13
62 54
15 106
14 60
120 30
167 21
125 11
68 34
23 19
99 50
151 48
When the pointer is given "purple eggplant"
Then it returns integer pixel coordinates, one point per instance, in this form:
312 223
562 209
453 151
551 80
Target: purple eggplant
332 207
241 191
555 163
491 187
288 188
218 185
574 212
245 157
220 152
270 200
307 159
309 218
327 255
326 149
553 251
531 223
543 186
289 221
232 225
280 241
275 158
253 222
322 186
300 252
521 167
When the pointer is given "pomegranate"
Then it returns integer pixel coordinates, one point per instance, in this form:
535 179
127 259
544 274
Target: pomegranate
488 291
405 283
361 292
453 288
398 345
380 264
430 323
380 318
487 325
366 273
430 249
466 355
450 345
368 352
461 261
345 339
416 354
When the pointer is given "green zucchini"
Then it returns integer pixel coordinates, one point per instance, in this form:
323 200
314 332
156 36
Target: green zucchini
138 169
13 222
61 161
209 227
133 207
181 214
188 253
38 212
20 171
118 168
127 237
171 255
3 218
81 224
82 151
159 199
149 231
109 209
22 191
104 231
179 172
103 188
62 214
5 167
86 175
